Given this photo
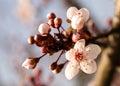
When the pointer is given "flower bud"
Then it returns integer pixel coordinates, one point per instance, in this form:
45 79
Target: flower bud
75 37
40 43
44 29
53 66
77 22
51 16
57 22
51 22
31 40
58 68
37 37
44 49
30 63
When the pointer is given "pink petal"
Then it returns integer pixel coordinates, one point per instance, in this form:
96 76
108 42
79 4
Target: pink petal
79 45
70 54
88 66
91 51
72 69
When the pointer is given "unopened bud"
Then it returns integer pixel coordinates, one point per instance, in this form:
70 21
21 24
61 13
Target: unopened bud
51 22
57 22
58 68
30 63
44 49
37 37
31 40
75 37
51 16
53 66
44 29
39 43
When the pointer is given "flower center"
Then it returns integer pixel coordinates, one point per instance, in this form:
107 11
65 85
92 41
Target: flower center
78 56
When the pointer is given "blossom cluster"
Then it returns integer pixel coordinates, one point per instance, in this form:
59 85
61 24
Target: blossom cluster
79 54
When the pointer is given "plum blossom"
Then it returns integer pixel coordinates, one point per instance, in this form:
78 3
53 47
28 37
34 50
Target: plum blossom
77 17
77 22
72 11
81 57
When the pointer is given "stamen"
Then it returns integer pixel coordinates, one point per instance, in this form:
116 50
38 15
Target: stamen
78 57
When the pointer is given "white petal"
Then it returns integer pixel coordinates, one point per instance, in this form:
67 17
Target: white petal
84 13
88 66
70 54
72 69
77 22
79 45
71 12
91 51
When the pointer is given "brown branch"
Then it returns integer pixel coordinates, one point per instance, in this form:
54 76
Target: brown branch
111 55
113 31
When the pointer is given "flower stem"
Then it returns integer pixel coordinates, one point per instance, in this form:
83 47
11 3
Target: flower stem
62 28
42 56
60 55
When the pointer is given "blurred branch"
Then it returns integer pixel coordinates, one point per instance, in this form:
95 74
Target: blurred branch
111 55
104 35
73 3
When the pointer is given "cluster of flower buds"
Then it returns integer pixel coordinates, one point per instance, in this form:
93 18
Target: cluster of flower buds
70 41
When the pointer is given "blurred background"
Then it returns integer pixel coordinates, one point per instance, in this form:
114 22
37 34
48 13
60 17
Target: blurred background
20 18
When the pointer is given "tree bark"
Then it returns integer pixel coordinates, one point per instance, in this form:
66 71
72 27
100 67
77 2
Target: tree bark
110 57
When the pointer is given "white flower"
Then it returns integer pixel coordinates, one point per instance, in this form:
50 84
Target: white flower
77 17
30 63
77 22
84 13
81 57
44 29
72 11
